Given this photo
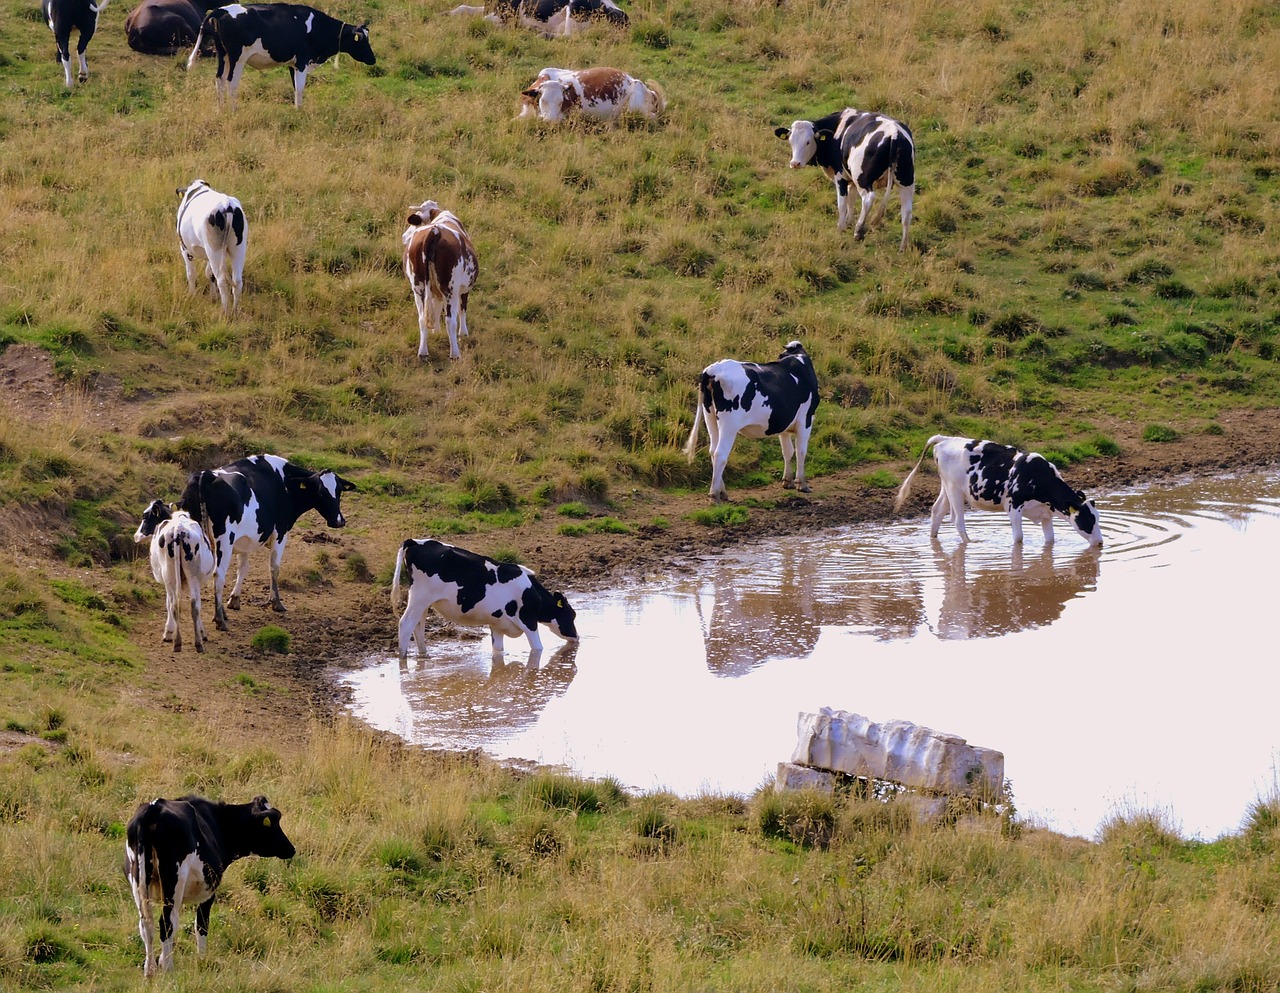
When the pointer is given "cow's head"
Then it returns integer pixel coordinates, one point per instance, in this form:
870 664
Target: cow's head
196 185
424 213
794 348
355 42
562 617
1084 518
804 142
321 490
262 832
155 515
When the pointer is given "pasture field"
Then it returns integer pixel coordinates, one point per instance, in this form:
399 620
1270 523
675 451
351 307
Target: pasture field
1094 272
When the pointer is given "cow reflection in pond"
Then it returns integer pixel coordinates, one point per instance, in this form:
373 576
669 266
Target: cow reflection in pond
1030 593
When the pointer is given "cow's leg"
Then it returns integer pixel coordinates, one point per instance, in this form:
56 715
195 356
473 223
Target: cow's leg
86 35
462 315
234 73
219 585
196 626
802 451
222 80
435 312
202 925
719 459
860 229
277 554
1046 525
451 324
189 261
788 463
241 561
412 626
938 512
906 194
1015 519
219 273
498 644
299 79
62 41
237 273
141 898
420 301
535 640
842 203
173 883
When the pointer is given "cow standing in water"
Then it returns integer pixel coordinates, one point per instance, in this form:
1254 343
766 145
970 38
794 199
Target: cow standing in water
989 476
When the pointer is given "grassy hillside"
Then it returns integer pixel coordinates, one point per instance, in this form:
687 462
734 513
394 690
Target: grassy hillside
1094 244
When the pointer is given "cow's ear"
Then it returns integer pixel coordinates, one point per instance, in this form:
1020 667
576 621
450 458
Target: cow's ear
180 190
529 93
782 132
345 484
1080 496
260 805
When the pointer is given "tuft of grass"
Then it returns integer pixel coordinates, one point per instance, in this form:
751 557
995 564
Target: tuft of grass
1160 433
722 515
271 639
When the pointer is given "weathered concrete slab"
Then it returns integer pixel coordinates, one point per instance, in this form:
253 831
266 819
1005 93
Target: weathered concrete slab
799 777
898 751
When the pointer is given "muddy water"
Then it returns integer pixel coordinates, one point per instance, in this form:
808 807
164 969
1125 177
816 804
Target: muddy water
1144 676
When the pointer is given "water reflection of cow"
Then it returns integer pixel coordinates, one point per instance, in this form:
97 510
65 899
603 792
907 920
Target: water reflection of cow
1030 593
778 610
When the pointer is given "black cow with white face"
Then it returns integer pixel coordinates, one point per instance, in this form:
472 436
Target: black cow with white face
466 588
989 476
264 35
64 16
866 150
757 400
254 502
176 851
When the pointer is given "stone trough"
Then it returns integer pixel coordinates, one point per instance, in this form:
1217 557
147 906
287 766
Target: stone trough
833 744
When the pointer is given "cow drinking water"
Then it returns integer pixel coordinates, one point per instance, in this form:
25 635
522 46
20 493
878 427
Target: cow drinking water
989 476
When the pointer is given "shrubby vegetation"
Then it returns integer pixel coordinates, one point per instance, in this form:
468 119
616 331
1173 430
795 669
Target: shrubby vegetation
1094 239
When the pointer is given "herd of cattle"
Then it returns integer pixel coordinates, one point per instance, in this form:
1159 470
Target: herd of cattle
177 850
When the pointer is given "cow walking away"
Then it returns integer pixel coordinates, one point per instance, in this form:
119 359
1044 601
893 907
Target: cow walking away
442 267
551 17
181 559
861 149
989 476
602 93
176 852
64 16
165 27
253 503
757 400
466 588
265 35
212 226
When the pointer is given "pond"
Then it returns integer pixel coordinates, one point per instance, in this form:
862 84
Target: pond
1139 677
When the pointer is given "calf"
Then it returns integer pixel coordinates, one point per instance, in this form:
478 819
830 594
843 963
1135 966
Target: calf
252 503
64 15
989 476
466 588
164 27
180 558
601 93
757 401
212 226
551 17
869 151
264 35
176 851
442 267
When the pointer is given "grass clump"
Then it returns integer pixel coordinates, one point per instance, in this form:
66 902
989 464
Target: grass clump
723 515
1160 433
271 639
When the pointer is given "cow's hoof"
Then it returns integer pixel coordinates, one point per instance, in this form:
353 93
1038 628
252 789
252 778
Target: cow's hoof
83 77
221 626
805 488
787 484
859 235
278 607
234 602
200 648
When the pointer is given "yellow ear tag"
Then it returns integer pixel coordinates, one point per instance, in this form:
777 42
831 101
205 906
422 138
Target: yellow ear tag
559 602
266 822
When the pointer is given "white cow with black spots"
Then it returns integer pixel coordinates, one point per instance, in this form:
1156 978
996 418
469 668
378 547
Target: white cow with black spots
212 226
181 559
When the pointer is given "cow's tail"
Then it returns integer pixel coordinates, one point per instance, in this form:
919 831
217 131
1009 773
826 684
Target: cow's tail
691 446
902 160
395 580
201 511
138 867
905 488
195 52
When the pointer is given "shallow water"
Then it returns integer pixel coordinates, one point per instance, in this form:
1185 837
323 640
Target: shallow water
1143 676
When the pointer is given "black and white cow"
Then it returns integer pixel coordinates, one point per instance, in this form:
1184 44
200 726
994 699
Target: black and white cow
63 16
466 588
441 265
265 35
176 851
254 502
165 27
757 400
551 17
212 226
866 150
989 476
181 559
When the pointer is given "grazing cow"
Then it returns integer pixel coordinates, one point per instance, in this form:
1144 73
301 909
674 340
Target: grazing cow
64 15
180 558
264 35
466 588
989 476
868 151
176 852
757 401
601 92
253 502
551 17
442 267
165 27
211 225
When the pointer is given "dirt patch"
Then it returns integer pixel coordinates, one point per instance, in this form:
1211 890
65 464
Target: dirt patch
30 390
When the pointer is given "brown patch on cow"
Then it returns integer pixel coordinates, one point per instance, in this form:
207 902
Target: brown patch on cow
603 85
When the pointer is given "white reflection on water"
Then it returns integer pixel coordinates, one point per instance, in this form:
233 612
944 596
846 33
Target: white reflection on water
1143 675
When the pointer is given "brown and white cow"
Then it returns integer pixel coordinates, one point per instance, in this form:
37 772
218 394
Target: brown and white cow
601 92
551 17
442 267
